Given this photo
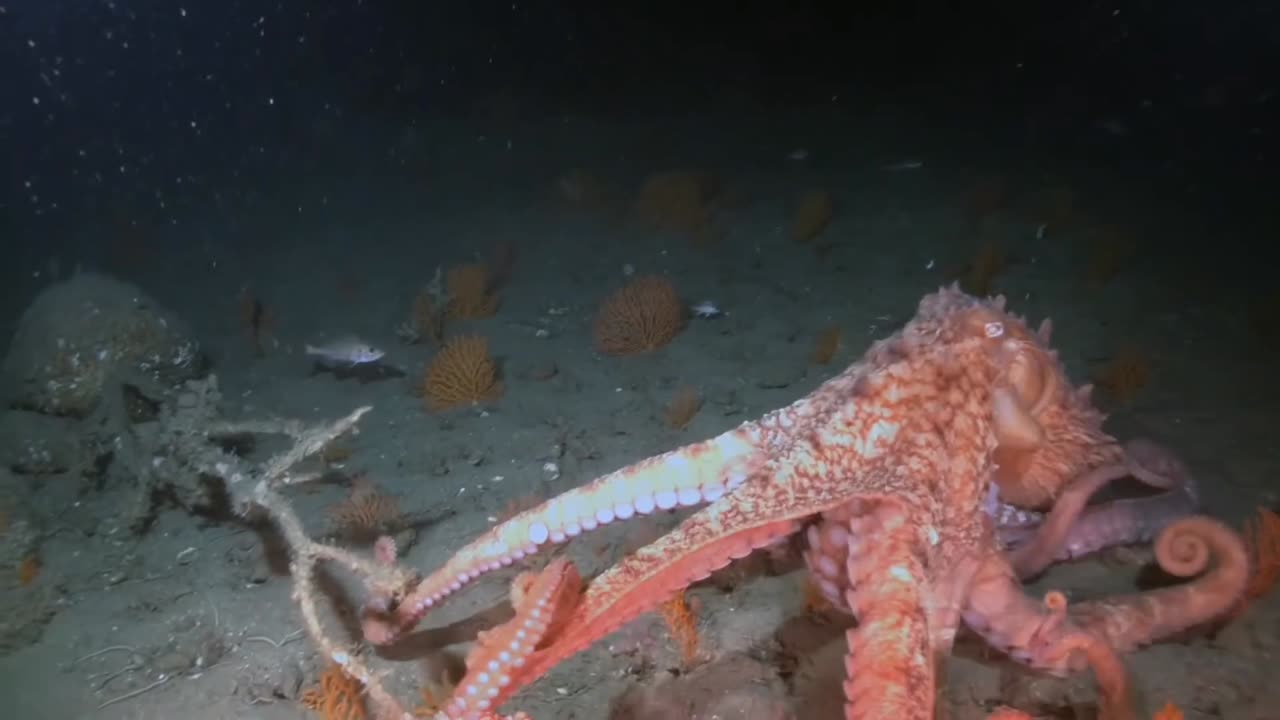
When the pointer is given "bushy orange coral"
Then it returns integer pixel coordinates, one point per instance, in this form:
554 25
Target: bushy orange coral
470 291
29 569
1124 375
462 373
426 320
337 697
366 514
682 622
640 317
1262 534
682 408
812 216
680 201
825 345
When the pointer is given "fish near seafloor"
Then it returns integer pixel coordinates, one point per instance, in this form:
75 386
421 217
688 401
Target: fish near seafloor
344 352
706 309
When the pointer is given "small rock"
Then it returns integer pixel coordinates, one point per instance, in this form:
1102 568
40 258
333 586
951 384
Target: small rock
405 540
290 681
35 444
80 334
779 376
258 570
539 372
173 663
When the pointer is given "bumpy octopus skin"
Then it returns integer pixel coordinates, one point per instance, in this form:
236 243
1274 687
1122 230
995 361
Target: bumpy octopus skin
884 468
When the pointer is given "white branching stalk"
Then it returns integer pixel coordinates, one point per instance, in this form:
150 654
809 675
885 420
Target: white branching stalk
263 490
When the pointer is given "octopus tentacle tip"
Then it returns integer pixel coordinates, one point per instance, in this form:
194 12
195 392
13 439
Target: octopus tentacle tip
1186 547
1055 601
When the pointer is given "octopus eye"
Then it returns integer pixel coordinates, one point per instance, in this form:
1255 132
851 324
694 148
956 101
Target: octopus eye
993 329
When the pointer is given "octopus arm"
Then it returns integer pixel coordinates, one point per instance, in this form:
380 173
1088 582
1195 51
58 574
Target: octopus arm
1196 545
889 666
755 515
689 476
1043 635
1072 529
1054 532
496 665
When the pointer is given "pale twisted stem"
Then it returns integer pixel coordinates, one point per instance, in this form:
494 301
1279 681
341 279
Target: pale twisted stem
307 553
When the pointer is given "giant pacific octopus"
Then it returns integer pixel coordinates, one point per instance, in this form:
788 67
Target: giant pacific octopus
890 472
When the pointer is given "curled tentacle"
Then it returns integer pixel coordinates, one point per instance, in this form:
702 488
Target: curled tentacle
1051 535
1186 548
1126 522
1071 529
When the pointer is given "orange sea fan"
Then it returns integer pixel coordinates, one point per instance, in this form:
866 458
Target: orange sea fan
989 260
366 514
462 373
337 697
29 569
1124 375
470 291
812 216
640 317
825 345
682 408
682 623
426 320
680 201
1262 535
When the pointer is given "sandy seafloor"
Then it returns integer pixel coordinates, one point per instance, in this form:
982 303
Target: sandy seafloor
344 250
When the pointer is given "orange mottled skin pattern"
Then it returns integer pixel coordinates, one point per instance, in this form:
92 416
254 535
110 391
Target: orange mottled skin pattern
883 470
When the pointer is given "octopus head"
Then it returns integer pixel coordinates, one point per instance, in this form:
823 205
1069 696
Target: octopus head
1047 432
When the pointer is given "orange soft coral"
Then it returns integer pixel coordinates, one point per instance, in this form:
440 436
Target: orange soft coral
366 514
470 291
1263 537
1124 375
812 216
642 316
680 201
682 408
337 697
682 623
462 373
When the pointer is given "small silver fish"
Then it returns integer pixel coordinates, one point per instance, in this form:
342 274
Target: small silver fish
706 309
347 351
